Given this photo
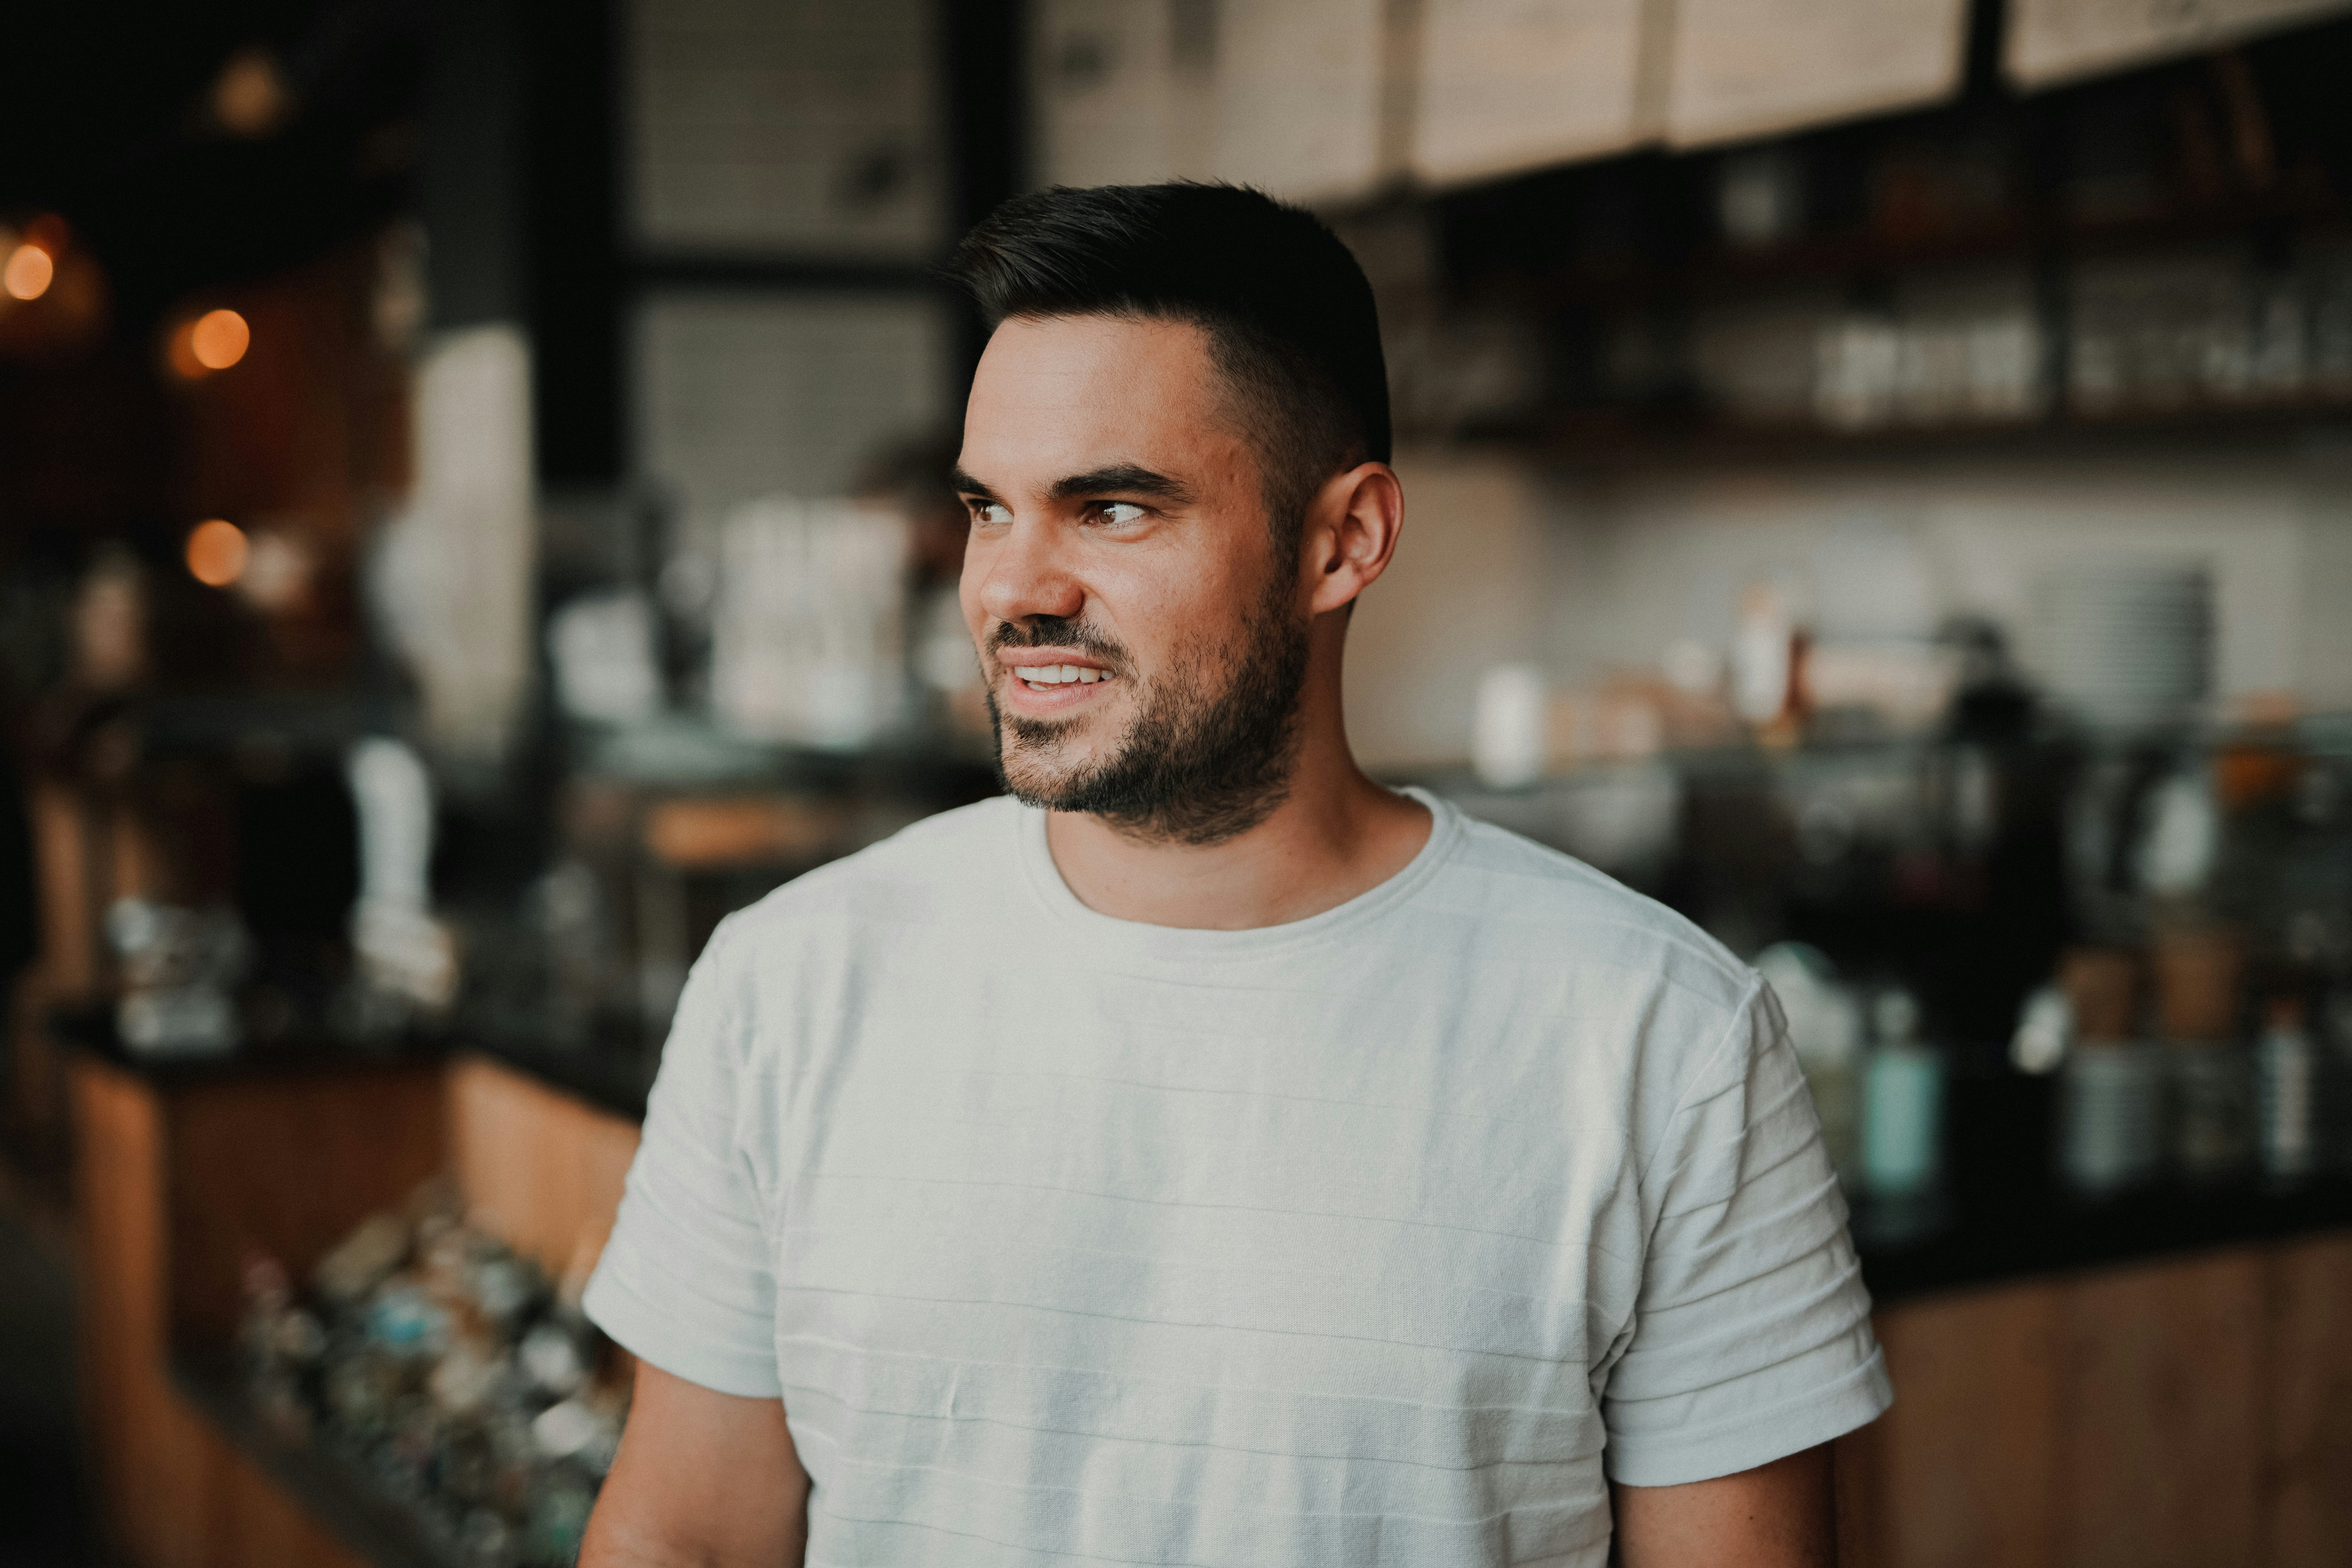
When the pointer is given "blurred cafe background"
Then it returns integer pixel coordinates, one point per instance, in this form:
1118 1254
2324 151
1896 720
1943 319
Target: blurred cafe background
472 513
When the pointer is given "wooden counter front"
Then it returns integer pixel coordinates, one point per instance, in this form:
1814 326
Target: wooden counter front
2195 1413
183 1177
173 1188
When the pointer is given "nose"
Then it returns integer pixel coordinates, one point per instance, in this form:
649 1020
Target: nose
1026 573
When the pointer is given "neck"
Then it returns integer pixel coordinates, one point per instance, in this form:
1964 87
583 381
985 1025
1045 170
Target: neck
1335 836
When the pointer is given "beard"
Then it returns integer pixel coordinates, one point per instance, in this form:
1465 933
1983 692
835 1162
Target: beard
1202 761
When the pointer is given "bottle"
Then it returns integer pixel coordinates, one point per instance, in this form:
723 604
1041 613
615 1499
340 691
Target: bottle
1903 1104
2286 1080
2197 972
2110 1083
2046 1027
2332 1113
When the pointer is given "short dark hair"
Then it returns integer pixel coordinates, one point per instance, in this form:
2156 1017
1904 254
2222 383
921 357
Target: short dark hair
1288 314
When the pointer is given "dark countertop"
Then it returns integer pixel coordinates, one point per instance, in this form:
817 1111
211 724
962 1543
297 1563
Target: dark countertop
2005 1216
1966 1249
90 1028
613 1076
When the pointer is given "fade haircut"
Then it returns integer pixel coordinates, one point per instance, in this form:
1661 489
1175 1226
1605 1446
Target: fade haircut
1288 315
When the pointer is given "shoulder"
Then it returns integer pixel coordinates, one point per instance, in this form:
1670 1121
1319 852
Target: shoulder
1536 902
1655 1013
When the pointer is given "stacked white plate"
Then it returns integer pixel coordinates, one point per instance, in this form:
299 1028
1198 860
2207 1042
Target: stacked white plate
2125 643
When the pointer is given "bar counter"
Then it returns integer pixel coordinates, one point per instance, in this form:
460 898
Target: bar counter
2147 1379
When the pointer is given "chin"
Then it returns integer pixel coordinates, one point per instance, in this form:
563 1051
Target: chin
1041 758
1036 776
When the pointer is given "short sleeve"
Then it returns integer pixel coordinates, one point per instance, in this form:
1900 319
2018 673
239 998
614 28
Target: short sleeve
1751 1337
685 1282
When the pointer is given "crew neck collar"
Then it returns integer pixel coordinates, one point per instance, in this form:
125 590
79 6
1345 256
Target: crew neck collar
1141 942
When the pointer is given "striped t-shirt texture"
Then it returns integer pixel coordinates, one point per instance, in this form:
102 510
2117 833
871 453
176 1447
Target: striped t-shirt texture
1386 1238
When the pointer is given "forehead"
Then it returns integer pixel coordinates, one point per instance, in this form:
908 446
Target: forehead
1068 395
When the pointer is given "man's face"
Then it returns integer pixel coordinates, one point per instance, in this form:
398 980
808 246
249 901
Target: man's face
1143 650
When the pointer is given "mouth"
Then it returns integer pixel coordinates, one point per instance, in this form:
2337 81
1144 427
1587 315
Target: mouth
1042 681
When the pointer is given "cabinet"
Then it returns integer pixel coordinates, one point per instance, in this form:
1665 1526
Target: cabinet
2194 1412
2307 1386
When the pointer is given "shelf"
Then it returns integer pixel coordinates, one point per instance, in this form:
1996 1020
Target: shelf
1614 439
1714 272
313 724
683 752
2022 235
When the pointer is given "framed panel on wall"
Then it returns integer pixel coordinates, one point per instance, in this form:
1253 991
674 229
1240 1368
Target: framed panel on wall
1516 84
815 128
1123 89
2051 42
1741 69
1301 93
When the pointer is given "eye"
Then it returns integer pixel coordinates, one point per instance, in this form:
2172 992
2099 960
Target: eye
1116 512
989 511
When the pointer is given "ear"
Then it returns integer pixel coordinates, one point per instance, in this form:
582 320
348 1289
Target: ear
1352 532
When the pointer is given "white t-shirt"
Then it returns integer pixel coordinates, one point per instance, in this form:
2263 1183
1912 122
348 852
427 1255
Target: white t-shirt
1377 1238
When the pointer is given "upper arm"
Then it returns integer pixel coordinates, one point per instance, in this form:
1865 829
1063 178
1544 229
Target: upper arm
686 1280
1780 1515
1750 1336
706 1476
703 1480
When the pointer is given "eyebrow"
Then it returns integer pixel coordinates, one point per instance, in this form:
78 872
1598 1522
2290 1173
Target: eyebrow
1118 479
1128 479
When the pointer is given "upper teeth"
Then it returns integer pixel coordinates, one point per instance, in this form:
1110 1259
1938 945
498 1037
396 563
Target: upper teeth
1057 674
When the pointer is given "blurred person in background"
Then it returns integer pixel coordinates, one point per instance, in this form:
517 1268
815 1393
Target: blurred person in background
1206 1155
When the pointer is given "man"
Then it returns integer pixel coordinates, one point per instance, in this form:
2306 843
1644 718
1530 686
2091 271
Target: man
1208 1156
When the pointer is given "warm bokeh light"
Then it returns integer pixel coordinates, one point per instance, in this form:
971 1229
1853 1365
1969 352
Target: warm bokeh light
216 553
250 97
277 571
28 273
180 353
219 338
